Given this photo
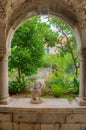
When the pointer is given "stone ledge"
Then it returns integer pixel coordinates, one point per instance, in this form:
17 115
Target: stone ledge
48 106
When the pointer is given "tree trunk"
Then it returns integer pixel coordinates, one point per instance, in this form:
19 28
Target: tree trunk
74 60
19 73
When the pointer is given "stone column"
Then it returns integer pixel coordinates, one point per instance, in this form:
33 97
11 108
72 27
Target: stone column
4 96
82 90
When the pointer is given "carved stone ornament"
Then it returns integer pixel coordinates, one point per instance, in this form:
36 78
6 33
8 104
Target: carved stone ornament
36 90
4 52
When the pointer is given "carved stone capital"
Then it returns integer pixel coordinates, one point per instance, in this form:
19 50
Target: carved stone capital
4 52
82 53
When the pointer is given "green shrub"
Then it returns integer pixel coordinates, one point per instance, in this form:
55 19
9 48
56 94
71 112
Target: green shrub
73 86
57 91
59 86
18 85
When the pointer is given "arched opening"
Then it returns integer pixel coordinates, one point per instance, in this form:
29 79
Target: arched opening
74 32
71 20
52 114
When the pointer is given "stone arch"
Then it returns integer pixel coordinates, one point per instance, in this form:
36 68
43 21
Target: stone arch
26 16
21 20
22 10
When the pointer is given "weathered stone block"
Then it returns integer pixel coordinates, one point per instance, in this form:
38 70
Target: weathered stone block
26 117
53 118
6 126
0 125
37 127
32 117
70 127
15 126
9 126
5 117
25 126
49 127
83 127
76 118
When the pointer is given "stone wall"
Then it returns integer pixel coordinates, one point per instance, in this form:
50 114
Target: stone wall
53 114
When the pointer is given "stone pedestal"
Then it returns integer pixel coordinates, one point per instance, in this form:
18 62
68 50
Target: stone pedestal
37 101
4 96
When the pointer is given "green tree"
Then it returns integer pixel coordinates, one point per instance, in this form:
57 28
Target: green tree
28 46
66 42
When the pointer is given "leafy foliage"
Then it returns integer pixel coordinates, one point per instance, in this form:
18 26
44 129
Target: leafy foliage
66 42
59 87
28 48
18 85
49 60
28 55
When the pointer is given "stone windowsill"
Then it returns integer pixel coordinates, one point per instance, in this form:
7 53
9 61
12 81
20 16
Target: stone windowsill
49 105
